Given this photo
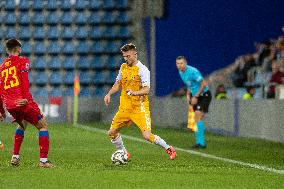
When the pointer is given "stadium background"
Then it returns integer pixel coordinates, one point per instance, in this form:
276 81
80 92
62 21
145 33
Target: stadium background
63 37
76 36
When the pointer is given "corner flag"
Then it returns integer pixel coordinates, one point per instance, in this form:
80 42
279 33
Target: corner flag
76 85
76 100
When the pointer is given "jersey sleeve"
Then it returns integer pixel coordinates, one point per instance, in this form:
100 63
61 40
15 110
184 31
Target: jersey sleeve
118 77
25 66
197 75
144 74
25 78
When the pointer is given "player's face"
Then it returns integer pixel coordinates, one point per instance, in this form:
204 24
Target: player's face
181 64
19 50
130 57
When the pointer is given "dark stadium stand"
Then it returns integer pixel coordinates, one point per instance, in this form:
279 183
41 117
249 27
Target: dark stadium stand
39 63
68 78
25 34
56 91
55 78
40 78
54 63
64 37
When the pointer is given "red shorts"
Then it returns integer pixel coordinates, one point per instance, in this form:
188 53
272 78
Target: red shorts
30 112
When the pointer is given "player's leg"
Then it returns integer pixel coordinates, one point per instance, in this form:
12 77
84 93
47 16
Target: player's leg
17 114
34 116
143 121
199 134
43 140
201 108
18 140
120 120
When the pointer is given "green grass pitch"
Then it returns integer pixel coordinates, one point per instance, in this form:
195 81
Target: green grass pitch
82 160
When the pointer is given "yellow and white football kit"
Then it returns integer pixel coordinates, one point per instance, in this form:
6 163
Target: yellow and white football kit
133 109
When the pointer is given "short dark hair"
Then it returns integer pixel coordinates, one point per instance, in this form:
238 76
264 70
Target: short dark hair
128 47
249 88
12 43
181 57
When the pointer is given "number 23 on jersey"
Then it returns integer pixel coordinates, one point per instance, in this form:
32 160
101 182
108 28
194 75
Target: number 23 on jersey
12 74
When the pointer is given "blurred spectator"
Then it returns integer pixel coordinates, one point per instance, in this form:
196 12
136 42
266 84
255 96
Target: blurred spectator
267 62
245 69
280 48
250 93
276 78
244 63
221 92
262 51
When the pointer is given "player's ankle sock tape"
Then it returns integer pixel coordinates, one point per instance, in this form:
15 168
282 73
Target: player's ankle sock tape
43 134
20 132
18 139
159 141
44 143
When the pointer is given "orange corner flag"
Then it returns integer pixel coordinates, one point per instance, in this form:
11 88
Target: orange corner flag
76 85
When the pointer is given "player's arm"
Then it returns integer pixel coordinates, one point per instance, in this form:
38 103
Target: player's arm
198 77
202 87
143 91
25 84
194 99
115 88
188 94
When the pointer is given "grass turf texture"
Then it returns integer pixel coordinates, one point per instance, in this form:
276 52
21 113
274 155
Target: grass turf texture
82 160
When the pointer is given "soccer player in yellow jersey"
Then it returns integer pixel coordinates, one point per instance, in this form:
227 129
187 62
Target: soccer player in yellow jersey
134 81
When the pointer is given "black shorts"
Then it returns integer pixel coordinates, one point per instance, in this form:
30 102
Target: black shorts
203 102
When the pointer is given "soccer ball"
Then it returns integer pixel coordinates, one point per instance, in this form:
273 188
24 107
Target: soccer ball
119 157
1 146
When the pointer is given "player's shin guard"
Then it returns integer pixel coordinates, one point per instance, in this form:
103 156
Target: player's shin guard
119 143
44 145
200 133
159 141
18 139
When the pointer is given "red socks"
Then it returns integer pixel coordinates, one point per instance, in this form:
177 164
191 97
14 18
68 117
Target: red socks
43 143
18 139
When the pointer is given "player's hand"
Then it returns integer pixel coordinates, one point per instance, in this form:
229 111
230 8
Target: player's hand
188 99
21 102
194 100
2 117
130 92
107 99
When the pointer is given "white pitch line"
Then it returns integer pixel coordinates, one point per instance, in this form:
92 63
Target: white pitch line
255 166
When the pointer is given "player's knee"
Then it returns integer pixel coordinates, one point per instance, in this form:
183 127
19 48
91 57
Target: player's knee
21 128
112 134
22 125
198 115
42 125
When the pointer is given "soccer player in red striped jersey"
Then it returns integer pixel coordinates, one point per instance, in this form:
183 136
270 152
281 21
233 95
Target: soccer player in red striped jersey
16 97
